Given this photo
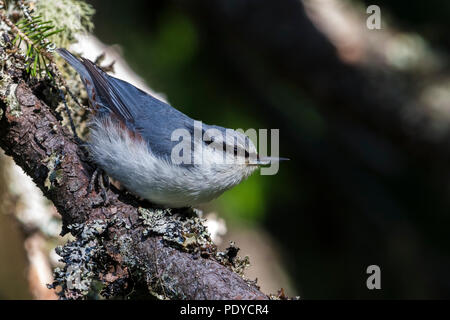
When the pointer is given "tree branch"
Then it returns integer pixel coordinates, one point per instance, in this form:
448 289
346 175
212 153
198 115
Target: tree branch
125 252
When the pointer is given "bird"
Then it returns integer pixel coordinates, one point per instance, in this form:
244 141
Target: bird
132 138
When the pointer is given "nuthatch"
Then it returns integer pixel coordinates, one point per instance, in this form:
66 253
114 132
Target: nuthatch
131 139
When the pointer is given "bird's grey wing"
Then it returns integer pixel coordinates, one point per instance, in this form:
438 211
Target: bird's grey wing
156 120
153 119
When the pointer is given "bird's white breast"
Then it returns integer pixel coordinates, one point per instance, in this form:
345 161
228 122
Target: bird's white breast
131 162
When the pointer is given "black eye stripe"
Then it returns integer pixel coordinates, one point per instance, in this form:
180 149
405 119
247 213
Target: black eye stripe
224 148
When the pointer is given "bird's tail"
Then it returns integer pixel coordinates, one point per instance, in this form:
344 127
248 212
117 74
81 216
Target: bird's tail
75 63
102 89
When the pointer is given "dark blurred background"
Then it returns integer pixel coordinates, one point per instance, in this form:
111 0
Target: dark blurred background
363 115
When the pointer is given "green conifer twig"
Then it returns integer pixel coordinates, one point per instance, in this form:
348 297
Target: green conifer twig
34 32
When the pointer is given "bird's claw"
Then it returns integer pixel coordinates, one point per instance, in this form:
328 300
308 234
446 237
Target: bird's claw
99 177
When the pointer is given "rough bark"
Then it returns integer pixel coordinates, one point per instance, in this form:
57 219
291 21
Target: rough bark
32 135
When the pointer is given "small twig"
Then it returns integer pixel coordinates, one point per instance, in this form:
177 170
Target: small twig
74 98
69 115
25 11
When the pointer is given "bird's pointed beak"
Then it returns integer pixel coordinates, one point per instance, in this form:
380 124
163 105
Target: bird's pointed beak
265 161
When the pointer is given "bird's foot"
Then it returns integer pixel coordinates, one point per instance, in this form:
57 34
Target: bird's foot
102 180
